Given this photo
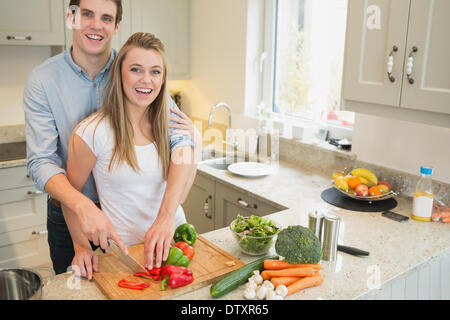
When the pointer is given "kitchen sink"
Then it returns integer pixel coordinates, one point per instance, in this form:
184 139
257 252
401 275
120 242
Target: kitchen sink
217 160
219 163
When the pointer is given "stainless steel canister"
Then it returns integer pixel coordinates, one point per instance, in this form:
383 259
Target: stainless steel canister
330 235
315 224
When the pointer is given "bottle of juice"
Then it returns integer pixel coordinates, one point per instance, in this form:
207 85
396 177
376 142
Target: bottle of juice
423 196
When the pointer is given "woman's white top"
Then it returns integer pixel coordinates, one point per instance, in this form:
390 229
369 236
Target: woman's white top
130 199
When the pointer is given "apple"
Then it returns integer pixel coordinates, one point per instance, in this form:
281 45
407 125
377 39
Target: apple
362 190
383 188
386 184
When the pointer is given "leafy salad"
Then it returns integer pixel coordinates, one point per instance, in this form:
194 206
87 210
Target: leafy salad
254 233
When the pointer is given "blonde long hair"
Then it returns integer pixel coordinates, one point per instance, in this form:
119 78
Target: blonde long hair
157 112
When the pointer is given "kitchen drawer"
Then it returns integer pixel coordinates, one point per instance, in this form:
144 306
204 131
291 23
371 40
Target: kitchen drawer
231 202
25 234
21 208
24 248
199 204
14 177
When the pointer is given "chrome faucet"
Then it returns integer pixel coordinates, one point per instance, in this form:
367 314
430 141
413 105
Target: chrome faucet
223 104
220 104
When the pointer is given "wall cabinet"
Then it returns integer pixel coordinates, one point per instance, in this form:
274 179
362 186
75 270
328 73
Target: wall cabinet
396 59
212 205
23 220
169 20
37 22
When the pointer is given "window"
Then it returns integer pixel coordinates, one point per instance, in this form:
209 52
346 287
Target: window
307 39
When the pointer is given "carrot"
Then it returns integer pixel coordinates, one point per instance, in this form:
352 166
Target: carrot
436 216
445 215
283 280
291 272
277 265
265 275
446 220
304 283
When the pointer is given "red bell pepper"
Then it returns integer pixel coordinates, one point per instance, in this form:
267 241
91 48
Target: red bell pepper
124 283
151 273
176 276
188 251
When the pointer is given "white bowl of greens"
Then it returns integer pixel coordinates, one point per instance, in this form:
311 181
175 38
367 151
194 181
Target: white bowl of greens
255 235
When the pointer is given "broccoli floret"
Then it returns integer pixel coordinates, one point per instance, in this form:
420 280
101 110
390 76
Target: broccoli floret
298 244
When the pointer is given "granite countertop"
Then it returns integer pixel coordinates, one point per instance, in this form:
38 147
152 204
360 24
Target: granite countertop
394 247
13 163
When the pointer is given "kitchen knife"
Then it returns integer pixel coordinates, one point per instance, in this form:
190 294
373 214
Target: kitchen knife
128 260
352 251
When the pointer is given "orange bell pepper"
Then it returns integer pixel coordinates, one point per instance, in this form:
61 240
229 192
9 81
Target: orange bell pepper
188 251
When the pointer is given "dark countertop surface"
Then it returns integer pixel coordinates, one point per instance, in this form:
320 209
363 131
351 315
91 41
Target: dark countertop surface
13 151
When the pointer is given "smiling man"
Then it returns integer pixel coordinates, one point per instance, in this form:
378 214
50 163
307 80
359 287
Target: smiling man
60 93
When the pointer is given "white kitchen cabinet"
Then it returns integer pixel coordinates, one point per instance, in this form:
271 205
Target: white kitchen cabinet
379 56
427 281
231 202
199 205
212 205
429 32
23 217
169 20
37 22
122 34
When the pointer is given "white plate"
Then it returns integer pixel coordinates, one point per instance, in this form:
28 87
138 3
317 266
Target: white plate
250 169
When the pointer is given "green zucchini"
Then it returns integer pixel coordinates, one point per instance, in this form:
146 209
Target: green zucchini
237 277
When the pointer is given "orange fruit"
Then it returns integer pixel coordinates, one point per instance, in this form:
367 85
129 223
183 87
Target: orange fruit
353 182
375 191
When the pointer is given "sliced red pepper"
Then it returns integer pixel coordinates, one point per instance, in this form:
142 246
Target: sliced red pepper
126 286
188 251
133 285
154 272
151 273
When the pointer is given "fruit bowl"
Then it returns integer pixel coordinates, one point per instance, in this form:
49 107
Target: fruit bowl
362 184
384 196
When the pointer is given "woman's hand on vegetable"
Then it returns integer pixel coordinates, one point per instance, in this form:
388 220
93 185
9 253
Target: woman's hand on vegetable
157 241
86 261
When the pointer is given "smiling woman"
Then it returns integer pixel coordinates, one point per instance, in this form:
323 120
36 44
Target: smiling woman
142 81
126 147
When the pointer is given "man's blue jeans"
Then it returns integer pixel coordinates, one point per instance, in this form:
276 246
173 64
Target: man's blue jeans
59 239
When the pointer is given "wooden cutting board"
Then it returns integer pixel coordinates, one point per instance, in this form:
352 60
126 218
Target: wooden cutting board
209 263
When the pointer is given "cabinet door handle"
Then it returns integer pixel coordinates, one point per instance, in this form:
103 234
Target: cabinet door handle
39 233
410 64
34 193
245 204
206 207
390 63
21 38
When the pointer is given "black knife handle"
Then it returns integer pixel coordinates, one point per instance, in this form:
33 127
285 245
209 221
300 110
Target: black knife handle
353 251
